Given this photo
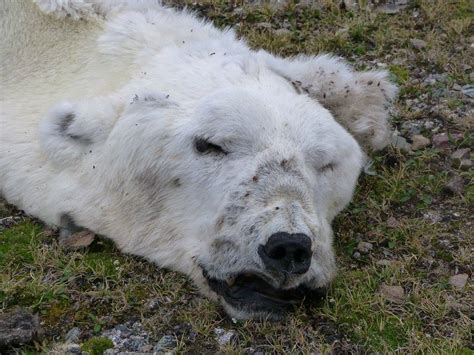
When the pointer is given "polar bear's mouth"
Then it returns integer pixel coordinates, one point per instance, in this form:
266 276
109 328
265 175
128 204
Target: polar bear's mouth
252 293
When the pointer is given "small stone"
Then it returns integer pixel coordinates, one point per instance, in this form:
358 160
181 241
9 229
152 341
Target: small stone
77 240
18 327
384 262
455 185
72 349
356 255
458 281
418 43
419 142
73 335
393 223
459 155
441 141
225 337
468 90
147 348
457 87
465 164
394 294
167 342
364 247
400 143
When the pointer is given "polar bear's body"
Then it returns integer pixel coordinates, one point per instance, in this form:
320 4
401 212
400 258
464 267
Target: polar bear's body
177 141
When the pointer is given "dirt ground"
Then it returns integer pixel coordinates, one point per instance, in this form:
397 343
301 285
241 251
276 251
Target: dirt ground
404 245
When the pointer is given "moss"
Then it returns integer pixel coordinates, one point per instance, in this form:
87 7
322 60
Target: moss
97 346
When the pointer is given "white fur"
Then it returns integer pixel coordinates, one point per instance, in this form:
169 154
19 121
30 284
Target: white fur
123 93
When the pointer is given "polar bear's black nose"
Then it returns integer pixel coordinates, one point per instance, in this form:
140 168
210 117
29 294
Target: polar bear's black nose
285 252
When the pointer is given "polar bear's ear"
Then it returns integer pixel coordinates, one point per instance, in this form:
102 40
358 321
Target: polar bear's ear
359 101
70 130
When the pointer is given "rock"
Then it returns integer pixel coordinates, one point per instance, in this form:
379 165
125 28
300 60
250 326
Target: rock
167 342
73 335
364 247
394 294
419 142
400 143
127 337
356 255
72 349
441 141
468 90
77 240
418 43
384 262
457 87
18 327
458 156
392 7
455 185
147 348
224 337
465 164
393 223
458 281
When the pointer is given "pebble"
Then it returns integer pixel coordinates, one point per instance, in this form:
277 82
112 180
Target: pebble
73 335
459 155
392 222
419 142
364 247
441 141
465 164
356 255
77 240
468 90
395 294
167 342
224 337
458 281
72 348
455 185
18 327
418 43
400 143
384 262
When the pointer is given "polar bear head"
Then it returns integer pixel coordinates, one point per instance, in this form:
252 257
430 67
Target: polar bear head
236 186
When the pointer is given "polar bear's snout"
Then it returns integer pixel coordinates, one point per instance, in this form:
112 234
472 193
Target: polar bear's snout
286 253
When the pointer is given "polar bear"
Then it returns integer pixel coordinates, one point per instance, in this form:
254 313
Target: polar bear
178 142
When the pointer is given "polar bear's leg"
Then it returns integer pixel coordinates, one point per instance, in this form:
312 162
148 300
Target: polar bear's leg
358 100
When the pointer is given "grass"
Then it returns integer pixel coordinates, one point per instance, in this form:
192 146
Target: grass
97 288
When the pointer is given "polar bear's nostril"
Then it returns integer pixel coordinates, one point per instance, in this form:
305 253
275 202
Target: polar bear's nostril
289 253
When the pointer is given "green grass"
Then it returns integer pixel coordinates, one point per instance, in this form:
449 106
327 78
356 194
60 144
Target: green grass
97 288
